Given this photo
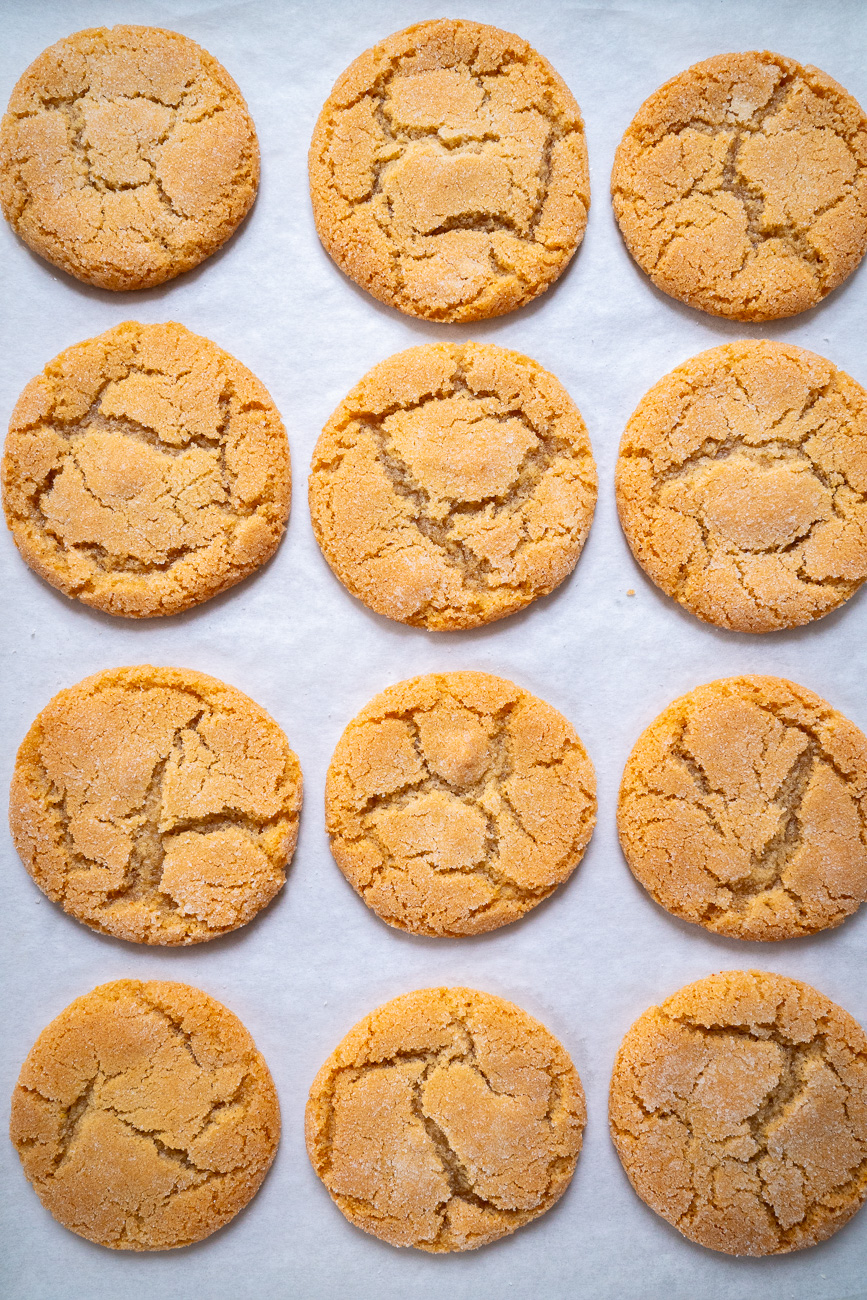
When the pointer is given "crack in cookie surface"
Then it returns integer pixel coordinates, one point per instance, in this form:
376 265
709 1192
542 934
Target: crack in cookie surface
448 172
155 804
743 808
456 802
741 485
127 156
453 485
146 470
738 1110
445 1120
741 186
144 1116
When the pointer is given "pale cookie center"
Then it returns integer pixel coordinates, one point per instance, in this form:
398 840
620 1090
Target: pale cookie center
455 452
428 189
462 155
135 500
756 509
121 137
447 833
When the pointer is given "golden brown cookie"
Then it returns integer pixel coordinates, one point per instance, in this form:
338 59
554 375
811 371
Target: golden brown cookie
127 156
146 470
743 807
445 1120
739 1110
144 1116
156 804
453 485
448 172
741 485
740 186
456 802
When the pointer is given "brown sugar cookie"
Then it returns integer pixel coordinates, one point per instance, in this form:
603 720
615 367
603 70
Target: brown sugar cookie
743 807
448 172
156 804
453 485
146 470
127 156
740 186
445 1120
144 1116
456 802
741 485
739 1111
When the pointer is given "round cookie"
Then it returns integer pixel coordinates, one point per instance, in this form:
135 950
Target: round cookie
740 186
445 1119
456 802
145 471
127 156
739 1111
453 485
156 804
144 1116
741 485
743 807
448 172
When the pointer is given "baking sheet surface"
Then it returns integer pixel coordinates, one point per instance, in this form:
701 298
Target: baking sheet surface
594 956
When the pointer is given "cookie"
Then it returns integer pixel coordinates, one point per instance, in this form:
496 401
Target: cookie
739 1111
453 485
445 1120
144 1116
156 804
146 470
127 156
456 802
448 172
741 485
743 808
740 186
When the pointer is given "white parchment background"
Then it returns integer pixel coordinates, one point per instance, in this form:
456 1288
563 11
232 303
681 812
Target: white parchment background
593 957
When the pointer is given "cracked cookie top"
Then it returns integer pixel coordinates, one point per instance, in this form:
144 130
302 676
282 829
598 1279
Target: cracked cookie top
127 156
742 485
456 802
145 471
739 1111
156 804
743 807
740 186
453 485
446 1119
144 1116
448 172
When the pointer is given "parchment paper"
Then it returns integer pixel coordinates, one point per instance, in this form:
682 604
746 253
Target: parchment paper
594 956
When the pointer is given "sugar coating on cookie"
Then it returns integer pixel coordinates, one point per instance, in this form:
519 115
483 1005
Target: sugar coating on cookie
739 1111
448 172
146 470
456 802
453 485
741 485
127 156
445 1119
743 807
740 186
144 1116
156 804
